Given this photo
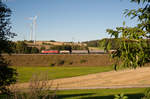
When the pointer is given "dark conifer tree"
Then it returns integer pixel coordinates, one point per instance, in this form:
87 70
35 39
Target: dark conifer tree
7 75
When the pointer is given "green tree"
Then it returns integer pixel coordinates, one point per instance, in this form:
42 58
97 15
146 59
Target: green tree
42 48
142 14
146 94
27 50
140 1
21 47
109 44
134 48
7 75
34 50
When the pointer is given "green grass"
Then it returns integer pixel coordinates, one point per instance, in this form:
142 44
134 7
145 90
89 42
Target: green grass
25 73
132 93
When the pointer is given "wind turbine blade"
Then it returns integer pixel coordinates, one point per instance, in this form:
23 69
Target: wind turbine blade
35 17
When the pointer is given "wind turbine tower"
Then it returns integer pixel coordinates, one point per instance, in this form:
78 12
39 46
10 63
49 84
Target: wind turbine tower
33 28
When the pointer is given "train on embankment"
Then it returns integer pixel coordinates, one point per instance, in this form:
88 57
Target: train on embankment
73 52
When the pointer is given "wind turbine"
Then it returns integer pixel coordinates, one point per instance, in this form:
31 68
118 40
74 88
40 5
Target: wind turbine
31 32
33 28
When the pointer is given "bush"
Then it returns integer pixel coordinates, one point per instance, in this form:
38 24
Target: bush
70 63
147 94
7 76
121 96
34 50
39 88
83 61
52 64
42 48
60 62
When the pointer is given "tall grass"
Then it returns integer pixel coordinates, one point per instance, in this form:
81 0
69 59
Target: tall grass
39 88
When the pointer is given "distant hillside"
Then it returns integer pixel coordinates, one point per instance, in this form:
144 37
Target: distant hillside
92 43
103 43
55 43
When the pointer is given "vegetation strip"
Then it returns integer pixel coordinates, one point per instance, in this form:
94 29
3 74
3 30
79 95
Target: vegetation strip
132 93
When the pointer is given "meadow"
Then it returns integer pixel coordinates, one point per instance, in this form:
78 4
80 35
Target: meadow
25 73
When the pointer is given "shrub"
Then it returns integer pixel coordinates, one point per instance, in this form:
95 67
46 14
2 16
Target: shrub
7 76
121 96
34 50
70 63
52 64
60 62
83 61
147 94
39 88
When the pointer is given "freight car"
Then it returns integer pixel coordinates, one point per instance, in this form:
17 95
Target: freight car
72 52
80 52
50 52
64 52
96 52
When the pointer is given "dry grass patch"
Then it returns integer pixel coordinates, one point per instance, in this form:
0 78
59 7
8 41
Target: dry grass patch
136 77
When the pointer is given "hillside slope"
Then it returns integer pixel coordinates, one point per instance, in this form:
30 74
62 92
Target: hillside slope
59 60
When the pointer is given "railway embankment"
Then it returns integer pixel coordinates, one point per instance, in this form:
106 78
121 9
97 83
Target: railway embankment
59 60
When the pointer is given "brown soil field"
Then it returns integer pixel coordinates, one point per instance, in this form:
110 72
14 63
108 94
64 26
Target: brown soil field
59 60
134 77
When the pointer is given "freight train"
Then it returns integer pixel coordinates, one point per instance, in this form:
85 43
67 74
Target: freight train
72 52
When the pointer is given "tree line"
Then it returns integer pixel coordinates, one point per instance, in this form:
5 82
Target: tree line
21 47
69 47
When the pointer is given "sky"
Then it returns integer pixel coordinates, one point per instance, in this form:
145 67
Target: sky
68 20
